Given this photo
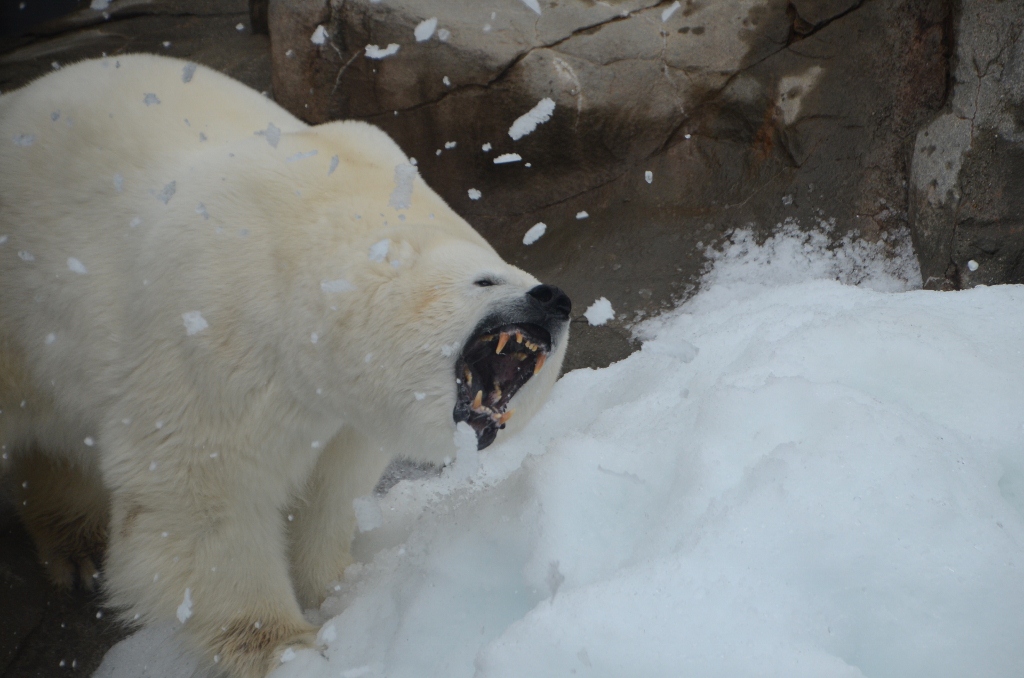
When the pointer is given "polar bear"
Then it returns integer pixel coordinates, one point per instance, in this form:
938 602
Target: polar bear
214 316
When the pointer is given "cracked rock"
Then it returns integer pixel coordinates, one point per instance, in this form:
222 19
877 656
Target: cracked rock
967 167
732 105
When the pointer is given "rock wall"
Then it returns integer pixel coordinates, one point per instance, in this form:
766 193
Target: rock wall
743 112
967 172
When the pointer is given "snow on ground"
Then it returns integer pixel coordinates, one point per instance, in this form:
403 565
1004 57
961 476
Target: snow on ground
794 477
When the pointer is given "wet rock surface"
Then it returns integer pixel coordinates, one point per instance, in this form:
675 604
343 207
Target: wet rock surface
967 173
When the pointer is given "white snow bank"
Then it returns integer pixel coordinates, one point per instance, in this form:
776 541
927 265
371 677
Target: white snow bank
793 477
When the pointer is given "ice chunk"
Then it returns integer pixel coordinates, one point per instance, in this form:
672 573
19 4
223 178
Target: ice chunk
336 286
375 52
319 36
599 312
379 250
507 158
194 322
134 222
447 82
667 13
89 442
314 337
368 513
301 156
467 458
474 194
443 34
167 193
582 214
76 266
25 255
401 196
3 239
185 609
50 338
239 27
972 265
24 140
526 123
532 4
187 71
450 144
289 653
99 5
425 29
201 210
334 165
486 148
419 395
535 232
150 99
649 176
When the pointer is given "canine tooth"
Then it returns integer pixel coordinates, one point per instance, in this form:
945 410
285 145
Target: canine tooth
505 417
469 377
478 400
502 340
540 362
519 337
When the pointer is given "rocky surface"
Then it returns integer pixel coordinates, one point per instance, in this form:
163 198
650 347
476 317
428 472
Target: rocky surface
744 112
201 30
967 174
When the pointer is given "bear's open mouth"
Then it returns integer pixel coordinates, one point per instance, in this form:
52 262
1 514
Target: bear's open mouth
493 366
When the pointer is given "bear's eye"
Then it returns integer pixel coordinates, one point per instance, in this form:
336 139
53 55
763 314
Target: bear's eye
485 282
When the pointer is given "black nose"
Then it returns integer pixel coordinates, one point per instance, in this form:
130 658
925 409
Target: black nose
553 300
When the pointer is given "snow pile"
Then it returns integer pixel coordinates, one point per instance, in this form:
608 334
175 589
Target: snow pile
793 477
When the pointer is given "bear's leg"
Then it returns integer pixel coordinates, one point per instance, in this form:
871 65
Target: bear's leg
324 521
64 508
204 548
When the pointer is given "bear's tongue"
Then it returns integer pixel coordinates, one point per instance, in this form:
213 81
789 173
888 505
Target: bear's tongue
492 368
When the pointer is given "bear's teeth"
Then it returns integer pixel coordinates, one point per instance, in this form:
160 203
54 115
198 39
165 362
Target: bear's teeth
540 362
532 346
469 377
478 400
502 340
506 416
496 396
519 337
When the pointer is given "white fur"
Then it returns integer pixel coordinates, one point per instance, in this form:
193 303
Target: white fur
205 437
